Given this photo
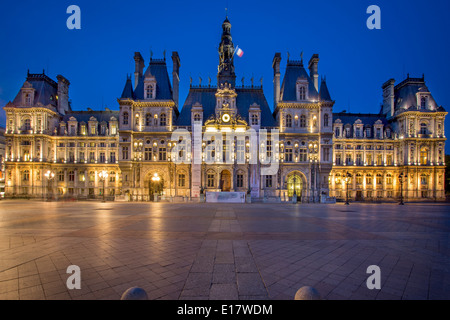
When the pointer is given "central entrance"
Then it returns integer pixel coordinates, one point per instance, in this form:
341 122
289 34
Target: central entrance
294 182
225 181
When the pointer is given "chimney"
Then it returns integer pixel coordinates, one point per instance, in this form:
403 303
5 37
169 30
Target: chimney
314 70
63 94
388 98
176 76
276 78
139 68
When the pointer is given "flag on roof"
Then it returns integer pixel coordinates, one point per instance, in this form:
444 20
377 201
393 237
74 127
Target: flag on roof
239 52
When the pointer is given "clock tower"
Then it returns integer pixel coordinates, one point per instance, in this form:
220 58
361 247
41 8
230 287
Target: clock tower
226 73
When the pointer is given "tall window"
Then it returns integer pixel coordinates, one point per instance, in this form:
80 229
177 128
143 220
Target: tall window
325 120
182 180
423 128
326 154
163 120
268 181
112 157
423 156
162 154
303 155
367 132
348 159
302 121
288 121
102 157
148 119
210 182
240 180
423 180
26 175
61 175
338 159
125 118
148 154
71 175
288 155
359 159
27 124
125 153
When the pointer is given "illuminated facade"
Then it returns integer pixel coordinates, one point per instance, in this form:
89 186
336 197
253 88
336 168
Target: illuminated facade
135 153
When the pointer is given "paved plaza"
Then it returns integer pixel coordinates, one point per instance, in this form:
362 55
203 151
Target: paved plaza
223 251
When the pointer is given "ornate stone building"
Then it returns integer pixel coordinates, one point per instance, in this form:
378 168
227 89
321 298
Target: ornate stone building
224 138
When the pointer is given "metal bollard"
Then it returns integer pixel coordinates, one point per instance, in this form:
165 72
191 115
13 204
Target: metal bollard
134 293
307 293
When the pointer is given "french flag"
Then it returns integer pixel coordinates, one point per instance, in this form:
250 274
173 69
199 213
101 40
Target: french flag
239 52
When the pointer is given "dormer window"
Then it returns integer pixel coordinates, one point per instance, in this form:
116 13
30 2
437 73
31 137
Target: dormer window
255 120
423 102
197 117
302 93
302 89
149 92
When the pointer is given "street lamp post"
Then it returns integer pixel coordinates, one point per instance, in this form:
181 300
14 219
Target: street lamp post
49 175
155 180
347 180
103 176
400 179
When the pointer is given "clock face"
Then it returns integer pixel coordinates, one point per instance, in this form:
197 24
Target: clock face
226 117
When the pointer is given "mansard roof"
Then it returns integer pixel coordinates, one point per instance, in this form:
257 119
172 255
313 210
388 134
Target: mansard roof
157 69
85 116
246 96
45 88
405 98
367 119
295 71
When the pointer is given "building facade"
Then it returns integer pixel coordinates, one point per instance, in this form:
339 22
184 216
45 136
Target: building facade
224 138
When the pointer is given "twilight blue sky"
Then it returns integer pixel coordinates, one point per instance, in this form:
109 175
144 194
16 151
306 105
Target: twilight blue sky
356 61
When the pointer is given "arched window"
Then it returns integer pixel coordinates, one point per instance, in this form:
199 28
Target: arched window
148 119
423 128
125 118
27 124
303 121
325 120
423 102
26 175
162 120
288 121
423 179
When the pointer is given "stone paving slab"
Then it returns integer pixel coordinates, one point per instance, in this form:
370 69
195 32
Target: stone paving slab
223 251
